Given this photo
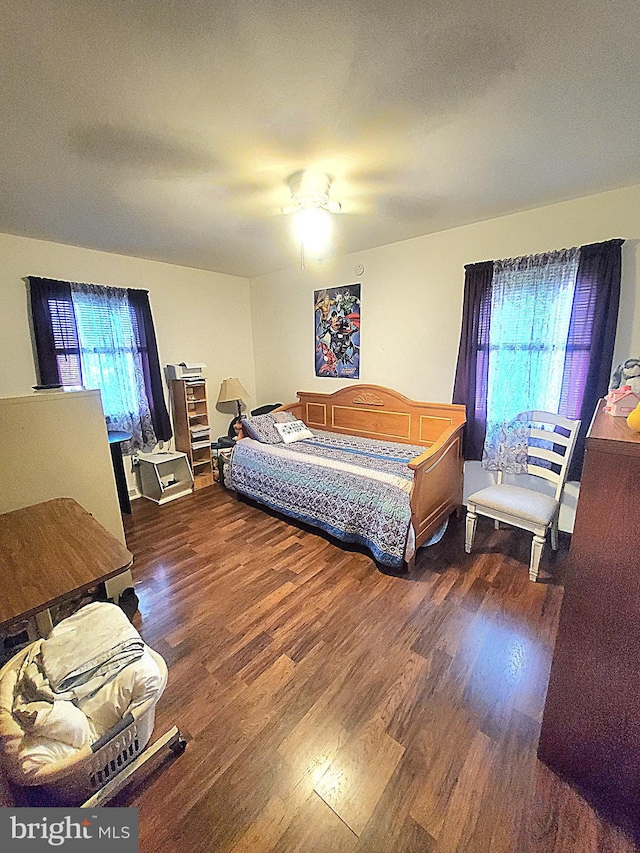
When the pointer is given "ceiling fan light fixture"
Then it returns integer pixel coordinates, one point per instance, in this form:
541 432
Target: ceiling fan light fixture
313 228
310 204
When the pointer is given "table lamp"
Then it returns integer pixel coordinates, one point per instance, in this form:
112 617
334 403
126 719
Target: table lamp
231 391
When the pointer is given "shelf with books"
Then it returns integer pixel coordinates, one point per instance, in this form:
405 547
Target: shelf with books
191 427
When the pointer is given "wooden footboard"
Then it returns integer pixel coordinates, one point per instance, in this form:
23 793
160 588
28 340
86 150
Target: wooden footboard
437 483
376 412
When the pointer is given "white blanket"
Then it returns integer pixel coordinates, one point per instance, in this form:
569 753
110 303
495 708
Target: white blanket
87 649
131 688
83 653
38 711
67 730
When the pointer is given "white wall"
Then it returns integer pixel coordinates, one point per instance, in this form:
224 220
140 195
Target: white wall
199 316
54 445
412 297
412 302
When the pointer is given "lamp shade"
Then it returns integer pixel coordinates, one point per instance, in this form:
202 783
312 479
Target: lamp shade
231 390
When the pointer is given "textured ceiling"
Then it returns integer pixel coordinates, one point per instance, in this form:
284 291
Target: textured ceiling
168 130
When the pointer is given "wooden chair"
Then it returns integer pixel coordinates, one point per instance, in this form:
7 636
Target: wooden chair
527 508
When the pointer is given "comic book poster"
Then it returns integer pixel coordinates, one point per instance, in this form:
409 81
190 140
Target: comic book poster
337 331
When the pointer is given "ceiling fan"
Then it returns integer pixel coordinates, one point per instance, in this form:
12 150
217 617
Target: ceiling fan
310 189
310 204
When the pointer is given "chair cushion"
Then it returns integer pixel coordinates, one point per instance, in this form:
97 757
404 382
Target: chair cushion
521 503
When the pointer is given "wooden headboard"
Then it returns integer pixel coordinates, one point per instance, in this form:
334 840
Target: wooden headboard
373 411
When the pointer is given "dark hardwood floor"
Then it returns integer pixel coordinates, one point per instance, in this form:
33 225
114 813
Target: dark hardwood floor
331 707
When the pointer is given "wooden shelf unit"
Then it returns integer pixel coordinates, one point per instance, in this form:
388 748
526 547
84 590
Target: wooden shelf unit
191 427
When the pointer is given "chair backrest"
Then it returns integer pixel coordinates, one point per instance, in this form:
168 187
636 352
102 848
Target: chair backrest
558 448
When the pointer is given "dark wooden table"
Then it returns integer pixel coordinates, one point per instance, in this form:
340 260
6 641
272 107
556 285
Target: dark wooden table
49 552
116 440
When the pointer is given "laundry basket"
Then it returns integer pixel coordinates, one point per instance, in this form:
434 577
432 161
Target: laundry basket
72 780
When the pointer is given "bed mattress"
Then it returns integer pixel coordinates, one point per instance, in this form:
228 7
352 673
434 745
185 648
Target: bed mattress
356 489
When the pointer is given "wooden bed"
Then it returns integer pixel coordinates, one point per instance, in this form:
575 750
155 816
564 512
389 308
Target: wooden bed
372 411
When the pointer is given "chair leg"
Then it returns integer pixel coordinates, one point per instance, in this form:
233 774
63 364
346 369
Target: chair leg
536 552
470 530
554 534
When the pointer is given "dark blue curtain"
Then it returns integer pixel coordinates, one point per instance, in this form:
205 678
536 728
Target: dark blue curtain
592 335
56 343
148 348
472 371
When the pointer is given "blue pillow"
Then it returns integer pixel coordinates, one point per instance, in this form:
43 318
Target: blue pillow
261 428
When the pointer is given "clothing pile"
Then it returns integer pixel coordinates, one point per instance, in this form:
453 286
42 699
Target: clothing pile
74 686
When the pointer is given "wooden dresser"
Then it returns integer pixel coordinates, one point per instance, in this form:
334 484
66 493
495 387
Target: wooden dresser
591 726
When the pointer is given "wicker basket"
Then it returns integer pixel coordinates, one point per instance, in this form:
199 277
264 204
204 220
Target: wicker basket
73 780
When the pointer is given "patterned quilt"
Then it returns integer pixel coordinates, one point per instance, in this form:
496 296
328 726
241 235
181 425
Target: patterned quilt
356 489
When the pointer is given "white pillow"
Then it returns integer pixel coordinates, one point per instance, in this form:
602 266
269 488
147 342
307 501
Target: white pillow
293 431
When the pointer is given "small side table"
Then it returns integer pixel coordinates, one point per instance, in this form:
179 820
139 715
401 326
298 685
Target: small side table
165 476
224 454
222 449
116 440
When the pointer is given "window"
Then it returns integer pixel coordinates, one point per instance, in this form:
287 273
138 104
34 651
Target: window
531 302
109 354
66 341
99 337
538 332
